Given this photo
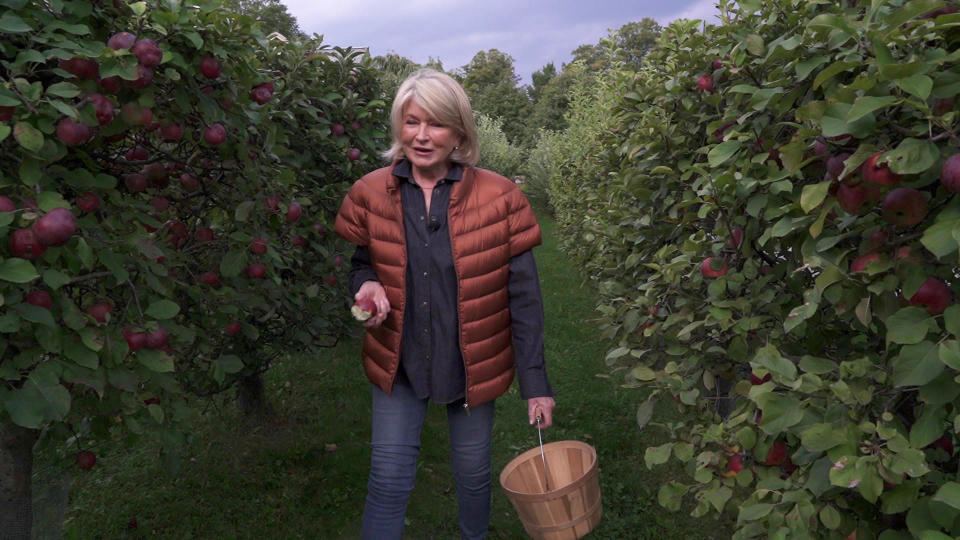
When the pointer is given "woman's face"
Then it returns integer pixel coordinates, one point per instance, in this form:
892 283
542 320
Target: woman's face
426 142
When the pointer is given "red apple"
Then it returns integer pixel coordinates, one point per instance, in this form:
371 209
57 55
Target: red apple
215 134
777 454
363 309
55 227
137 153
6 204
6 114
331 280
232 328
103 108
203 234
943 106
880 174
171 132
353 154
734 464
144 77
82 68
705 83
835 166
298 240
754 380
158 339
877 240
944 443
319 229
121 40
337 129
148 53
86 460
88 202
258 245
905 206
256 270
39 298
736 237
73 133
716 64
338 261
713 267
100 311
272 204
210 278
189 182
294 212
135 182
933 295
135 115
24 244
112 84
950 174
135 340
857 199
209 66
157 174
262 93
860 263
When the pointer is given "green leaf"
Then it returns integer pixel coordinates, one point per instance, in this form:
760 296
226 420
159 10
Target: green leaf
754 512
55 278
900 498
779 412
195 39
162 310
156 412
155 360
949 493
670 495
35 314
242 213
17 270
949 354
910 325
822 437
645 413
718 497
917 365
831 71
28 136
232 263
138 8
63 89
918 85
76 351
657 455
938 238
929 427
755 45
834 122
913 156
722 152
865 105
813 195
13 24
805 67
229 363
769 357
830 517
5 131
114 263
817 366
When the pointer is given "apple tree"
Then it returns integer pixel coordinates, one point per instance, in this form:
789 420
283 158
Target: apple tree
165 196
776 254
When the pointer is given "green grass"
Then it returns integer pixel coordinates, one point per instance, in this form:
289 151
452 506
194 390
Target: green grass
300 471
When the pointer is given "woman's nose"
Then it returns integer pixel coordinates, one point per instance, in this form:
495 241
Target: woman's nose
422 132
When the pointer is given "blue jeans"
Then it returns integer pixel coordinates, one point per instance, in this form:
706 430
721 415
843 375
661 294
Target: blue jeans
397 423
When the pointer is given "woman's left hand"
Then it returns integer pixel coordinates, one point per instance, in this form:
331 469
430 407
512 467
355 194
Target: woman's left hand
543 407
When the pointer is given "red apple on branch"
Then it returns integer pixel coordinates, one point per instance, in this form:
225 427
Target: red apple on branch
777 454
215 134
905 206
147 52
713 267
39 298
209 66
73 133
24 244
860 263
879 174
158 339
705 83
86 460
121 40
232 328
294 212
933 295
950 174
55 227
100 311
258 245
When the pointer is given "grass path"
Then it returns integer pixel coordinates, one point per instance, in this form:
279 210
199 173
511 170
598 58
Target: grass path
300 472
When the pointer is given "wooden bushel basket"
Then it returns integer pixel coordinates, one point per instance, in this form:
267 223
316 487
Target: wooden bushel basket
571 507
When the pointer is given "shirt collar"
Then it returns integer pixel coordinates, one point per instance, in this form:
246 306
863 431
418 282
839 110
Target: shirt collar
402 170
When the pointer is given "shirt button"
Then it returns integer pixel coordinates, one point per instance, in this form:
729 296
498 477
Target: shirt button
422 218
426 244
424 304
424 274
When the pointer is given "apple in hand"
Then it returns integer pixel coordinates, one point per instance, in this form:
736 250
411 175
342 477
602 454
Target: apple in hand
363 309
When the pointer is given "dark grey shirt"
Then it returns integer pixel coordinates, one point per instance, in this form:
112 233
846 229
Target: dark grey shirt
430 359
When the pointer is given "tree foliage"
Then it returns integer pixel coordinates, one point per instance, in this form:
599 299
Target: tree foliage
770 229
272 15
627 46
491 82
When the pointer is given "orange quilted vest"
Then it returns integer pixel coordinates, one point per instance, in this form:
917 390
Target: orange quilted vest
490 221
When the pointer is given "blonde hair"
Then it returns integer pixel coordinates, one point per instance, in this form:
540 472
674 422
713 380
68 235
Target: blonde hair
446 102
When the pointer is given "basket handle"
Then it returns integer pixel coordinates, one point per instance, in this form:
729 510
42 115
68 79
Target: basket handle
543 458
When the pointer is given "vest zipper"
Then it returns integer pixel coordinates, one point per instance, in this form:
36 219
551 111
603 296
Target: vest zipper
456 269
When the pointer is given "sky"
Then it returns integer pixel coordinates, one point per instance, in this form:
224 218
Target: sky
533 32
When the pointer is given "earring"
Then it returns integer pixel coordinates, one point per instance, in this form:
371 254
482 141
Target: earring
455 148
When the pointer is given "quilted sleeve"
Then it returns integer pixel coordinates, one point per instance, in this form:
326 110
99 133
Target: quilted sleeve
524 229
351 222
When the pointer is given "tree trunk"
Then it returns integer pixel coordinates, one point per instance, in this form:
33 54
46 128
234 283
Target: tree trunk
16 469
250 396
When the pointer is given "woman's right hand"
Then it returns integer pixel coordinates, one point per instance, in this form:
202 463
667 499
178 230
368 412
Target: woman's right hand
374 291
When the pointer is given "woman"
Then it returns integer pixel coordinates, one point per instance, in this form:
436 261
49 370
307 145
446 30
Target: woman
444 252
